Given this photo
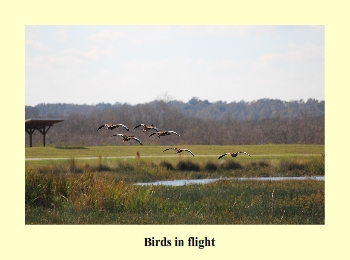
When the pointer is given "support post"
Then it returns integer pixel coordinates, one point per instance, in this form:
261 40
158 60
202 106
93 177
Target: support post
43 132
30 131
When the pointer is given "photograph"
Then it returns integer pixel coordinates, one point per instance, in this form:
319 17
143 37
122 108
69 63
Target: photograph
175 125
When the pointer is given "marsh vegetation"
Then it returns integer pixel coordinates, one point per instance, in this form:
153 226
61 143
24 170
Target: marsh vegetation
102 190
92 198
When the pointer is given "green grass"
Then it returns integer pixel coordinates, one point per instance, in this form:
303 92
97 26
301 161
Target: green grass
153 164
283 160
154 151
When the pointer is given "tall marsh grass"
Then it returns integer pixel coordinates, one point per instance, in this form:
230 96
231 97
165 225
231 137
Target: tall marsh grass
100 198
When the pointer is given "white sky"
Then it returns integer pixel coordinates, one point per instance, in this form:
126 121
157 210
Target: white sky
138 64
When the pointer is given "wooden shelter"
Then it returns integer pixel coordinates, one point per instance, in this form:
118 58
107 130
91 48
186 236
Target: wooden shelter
41 124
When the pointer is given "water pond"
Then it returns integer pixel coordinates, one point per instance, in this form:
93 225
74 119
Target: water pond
206 181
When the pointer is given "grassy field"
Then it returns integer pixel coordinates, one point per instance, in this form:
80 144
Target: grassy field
154 151
101 190
154 164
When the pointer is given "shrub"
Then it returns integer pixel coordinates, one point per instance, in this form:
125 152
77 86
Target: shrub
166 165
232 165
210 166
260 164
187 166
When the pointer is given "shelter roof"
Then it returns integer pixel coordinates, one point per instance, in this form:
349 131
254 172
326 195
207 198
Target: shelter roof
41 122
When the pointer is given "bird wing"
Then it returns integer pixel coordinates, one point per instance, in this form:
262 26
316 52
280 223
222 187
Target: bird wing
138 140
138 126
148 127
188 151
119 135
127 129
223 155
100 127
168 149
245 153
153 134
173 132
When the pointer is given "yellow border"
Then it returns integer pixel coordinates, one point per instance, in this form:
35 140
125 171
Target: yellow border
117 242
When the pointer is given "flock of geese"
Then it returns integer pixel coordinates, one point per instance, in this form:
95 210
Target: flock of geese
159 134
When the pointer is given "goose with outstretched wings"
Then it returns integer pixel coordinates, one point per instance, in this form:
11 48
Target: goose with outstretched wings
179 150
111 127
128 137
146 127
232 154
164 133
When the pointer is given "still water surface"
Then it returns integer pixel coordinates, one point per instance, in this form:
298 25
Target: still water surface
206 181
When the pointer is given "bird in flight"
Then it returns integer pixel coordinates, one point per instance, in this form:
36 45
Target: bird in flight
232 154
179 150
128 137
164 133
111 127
147 127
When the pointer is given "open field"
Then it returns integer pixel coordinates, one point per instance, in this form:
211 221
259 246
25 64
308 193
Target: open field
154 164
155 151
95 185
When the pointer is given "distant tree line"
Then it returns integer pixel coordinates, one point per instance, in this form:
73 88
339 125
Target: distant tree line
197 121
